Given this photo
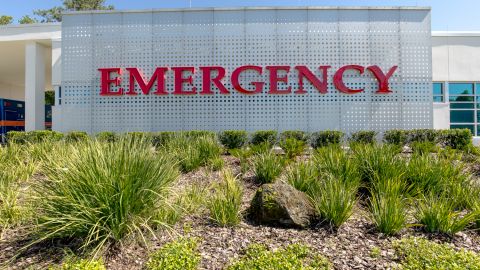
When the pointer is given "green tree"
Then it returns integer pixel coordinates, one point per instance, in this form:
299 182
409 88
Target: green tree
27 20
55 14
4 20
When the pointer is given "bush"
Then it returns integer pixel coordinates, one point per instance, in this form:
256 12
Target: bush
387 205
181 254
82 265
292 147
76 136
101 193
193 134
233 139
364 136
292 257
264 136
422 135
334 200
224 204
303 176
437 214
418 253
456 138
326 138
294 134
36 136
162 138
396 137
107 136
267 167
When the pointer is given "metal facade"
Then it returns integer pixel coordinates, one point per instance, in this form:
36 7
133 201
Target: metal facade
248 36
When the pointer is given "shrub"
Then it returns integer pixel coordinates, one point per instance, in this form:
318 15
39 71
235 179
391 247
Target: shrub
456 138
181 254
243 154
387 205
335 200
193 134
19 137
294 256
107 136
82 264
326 138
101 193
437 214
264 136
303 176
267 167
162 138
233 139
76 136
364 136
294 134
418 253
422 135
395 137
224 205
35 136
292 147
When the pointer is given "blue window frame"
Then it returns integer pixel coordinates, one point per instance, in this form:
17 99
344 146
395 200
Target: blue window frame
463 111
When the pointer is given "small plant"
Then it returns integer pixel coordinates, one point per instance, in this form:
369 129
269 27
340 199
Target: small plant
107 136
261 148
224 204
292 147
294 134
76 136
216 164
375 252
419 253
295 256
264 136
232 139
243 154
181 254
186 152
82 264
437 214
396 137
303 176
326 138
267 167
208 148
364 137
334 200
456 138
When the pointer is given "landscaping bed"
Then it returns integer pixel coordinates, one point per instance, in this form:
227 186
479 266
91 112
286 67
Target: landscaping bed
193 207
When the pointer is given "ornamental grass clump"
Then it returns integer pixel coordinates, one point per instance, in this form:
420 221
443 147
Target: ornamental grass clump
332 160
225 202
267 167
292 147
303 176
101 193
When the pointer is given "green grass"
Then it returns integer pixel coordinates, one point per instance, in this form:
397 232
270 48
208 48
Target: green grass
303 176
419 253
292 257
267 167
333 161
101 192
181 254
225 202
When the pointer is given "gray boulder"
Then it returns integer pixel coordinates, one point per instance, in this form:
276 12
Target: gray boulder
281 204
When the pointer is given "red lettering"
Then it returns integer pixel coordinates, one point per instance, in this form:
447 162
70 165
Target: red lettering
338 79
383 87
137 76
275 78
236 84
207 78
180 80
106 81
304 72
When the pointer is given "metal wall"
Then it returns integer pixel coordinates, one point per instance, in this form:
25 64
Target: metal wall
248 36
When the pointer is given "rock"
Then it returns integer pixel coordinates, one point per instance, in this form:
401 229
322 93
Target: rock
281 204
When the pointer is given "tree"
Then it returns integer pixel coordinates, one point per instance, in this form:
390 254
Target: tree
4 20
27 20
55 14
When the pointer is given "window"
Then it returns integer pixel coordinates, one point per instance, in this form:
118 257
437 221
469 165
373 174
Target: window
463 108
438 92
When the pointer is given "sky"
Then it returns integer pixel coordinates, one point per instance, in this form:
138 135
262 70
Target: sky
447 15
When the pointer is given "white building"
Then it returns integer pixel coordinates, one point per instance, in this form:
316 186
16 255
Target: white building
32 62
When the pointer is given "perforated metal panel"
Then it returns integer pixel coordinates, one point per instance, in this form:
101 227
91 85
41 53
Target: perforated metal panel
253 36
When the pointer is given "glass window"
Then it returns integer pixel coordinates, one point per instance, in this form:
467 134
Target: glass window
465 116
438 92
461 98
462 105
460 88
437 98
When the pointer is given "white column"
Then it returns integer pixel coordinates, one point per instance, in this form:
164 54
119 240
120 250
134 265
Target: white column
34 86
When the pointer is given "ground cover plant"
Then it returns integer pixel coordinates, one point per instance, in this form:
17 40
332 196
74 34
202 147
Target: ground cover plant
136 194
